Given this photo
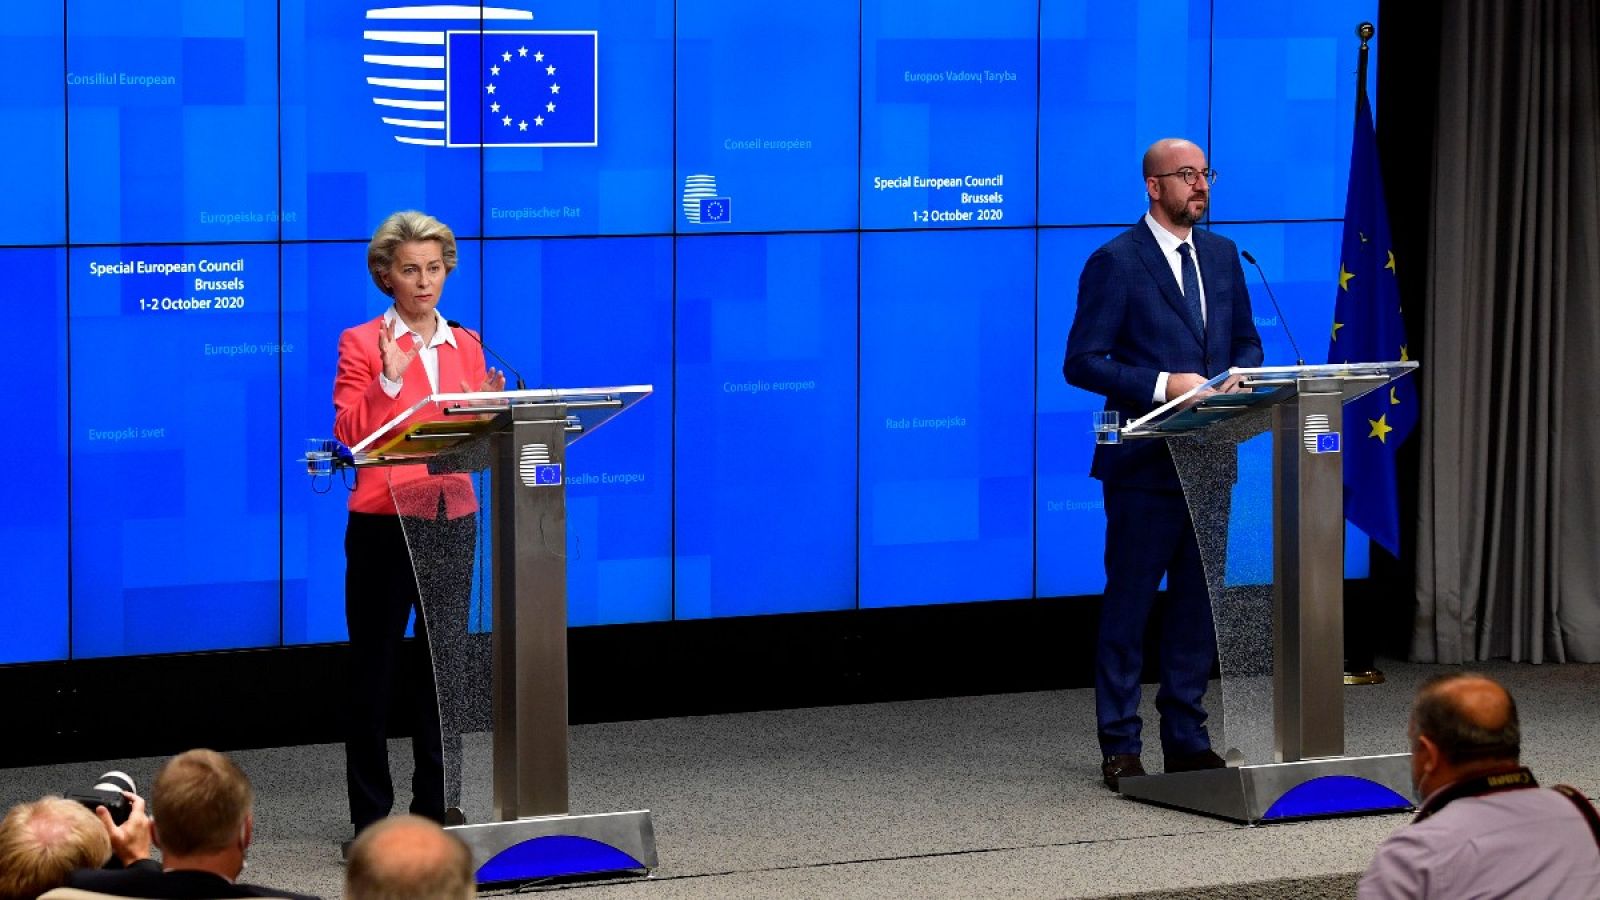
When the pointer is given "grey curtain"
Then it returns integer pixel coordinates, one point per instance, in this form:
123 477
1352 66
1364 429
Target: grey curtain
1508 549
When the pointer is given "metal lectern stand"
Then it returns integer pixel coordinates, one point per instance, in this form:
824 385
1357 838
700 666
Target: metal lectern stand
521 438
1308 773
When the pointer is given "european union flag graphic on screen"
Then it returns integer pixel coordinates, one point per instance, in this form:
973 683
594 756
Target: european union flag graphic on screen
702 205
716 209
521 89
1367 327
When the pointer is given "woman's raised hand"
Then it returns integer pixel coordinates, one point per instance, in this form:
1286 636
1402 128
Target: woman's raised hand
394 359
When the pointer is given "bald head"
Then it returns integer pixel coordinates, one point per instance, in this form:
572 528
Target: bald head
1176 203
405 857
1165 155
1471 718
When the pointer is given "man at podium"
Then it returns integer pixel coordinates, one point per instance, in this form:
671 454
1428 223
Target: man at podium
387 365
1162 308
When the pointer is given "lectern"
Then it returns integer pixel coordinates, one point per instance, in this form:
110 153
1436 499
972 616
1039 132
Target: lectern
506 672
1279 616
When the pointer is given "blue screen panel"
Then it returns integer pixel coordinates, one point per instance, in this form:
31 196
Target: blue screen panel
949 114
1113 79
175 474
33 539
33 208
597 313
767 129
364 102
326 290
623 183
173 120
946 417
1071 511
1302 261
765 451
1285 89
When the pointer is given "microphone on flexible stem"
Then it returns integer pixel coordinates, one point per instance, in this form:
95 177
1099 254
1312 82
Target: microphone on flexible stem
1298 359
521 386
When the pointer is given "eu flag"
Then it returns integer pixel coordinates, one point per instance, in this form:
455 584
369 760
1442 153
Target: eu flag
1367 327
521 89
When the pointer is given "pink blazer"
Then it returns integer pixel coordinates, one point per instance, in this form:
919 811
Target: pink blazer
360 407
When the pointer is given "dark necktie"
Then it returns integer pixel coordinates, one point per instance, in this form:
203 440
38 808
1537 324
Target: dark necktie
1191 287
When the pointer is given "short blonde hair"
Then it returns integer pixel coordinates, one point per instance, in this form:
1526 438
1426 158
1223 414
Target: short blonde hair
43 841
408 858
200 801
402 228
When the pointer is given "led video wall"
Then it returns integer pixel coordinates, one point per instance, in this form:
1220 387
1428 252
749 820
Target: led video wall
841 239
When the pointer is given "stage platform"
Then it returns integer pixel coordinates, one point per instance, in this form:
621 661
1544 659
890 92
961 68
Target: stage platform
970 797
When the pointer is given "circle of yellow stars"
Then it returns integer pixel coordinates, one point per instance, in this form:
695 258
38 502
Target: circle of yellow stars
549 107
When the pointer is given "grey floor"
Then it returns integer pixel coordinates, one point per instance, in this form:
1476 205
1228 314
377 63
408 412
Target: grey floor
994 796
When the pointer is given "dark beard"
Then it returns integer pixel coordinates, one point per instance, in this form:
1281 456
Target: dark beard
1179 212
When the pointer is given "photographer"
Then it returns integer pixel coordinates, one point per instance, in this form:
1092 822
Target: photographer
42 842
203 824
1486 828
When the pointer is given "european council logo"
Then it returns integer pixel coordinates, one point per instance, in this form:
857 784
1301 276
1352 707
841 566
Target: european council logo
701 205
501 88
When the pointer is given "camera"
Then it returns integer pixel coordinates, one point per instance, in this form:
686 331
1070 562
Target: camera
107 792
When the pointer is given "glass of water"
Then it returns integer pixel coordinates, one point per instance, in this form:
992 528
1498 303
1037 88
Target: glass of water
319 456
1107 427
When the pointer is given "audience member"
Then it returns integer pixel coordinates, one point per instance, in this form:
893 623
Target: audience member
408 858
43 841
203 824
1486 829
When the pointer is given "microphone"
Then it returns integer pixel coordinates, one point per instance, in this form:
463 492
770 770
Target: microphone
1298 359
521 386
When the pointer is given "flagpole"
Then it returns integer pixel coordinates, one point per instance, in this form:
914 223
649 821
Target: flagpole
1360 665
1365 31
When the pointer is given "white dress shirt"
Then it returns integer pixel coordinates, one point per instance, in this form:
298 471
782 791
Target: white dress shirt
1169 244
428 354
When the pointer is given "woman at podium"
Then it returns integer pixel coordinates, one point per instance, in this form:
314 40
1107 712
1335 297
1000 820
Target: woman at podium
387 365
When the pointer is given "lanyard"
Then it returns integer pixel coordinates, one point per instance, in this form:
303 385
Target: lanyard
1520 778
1515 779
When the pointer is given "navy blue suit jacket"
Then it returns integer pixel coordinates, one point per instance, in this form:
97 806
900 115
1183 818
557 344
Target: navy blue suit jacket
1133 324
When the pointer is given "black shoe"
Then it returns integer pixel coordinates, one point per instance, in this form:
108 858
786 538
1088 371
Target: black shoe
1120 765
454 816
1193 762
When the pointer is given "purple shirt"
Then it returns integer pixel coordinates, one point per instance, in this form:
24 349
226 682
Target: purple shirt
1524 843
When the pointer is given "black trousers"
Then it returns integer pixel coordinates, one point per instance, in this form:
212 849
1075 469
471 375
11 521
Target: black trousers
380 595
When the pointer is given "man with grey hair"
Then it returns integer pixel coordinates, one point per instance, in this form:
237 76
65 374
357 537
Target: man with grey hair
1486 829
408 858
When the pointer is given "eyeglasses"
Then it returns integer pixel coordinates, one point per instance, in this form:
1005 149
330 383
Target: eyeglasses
1190 176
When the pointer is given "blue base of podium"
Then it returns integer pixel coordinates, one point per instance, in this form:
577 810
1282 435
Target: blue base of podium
1282 792
561 846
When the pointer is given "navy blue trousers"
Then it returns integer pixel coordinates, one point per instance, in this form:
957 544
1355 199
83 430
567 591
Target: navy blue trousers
1149 534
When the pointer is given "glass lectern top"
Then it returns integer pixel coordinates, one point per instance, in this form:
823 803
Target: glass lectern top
440 421
1260 386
